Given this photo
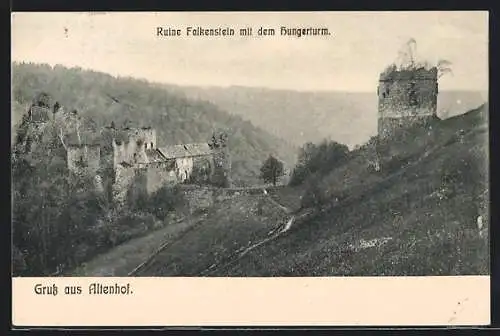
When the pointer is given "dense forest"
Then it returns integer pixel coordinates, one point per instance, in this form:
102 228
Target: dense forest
60 222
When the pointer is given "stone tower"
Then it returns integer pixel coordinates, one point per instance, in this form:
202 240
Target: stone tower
128 147
406 96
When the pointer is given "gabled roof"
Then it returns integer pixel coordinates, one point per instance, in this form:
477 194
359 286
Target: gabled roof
153 155
187 150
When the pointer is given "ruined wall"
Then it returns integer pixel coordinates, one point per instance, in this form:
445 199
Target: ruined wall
406 97
387 126
129 145
221 167
124 178
202 169
148 135
198 199
130 152
145 136
83 160
160 175
184 168
202 164
138 186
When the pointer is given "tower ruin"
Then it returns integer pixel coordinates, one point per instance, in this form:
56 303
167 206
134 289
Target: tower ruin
406 96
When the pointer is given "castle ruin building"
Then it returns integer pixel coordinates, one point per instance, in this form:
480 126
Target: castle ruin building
83 154
38 114
406 96
127 162
132 162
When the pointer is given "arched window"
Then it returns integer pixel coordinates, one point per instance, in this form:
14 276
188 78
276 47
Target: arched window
151 145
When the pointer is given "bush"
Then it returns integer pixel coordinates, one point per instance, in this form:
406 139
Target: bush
314 195
164 201
320 159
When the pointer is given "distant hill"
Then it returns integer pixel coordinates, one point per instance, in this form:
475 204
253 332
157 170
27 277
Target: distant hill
103 99
417 216
346 117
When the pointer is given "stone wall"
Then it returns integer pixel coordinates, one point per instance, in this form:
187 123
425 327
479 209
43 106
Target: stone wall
158 176
124 179
184 168
202 169
130 152
198 198
129 145
83 160
138 187
387 126
127 152
146 136
202 198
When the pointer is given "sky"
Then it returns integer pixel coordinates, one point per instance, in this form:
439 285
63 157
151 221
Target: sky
361 44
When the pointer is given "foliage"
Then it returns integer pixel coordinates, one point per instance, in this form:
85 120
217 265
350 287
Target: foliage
105 99
314 195
201 173
60 221
407 61
320 159
163 201
271 170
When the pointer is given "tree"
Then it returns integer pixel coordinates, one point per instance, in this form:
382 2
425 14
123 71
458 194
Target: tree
43 99
321 158
444 67
219 139
271 170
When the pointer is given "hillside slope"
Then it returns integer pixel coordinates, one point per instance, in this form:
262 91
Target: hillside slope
314 116
417 216
104 99
233 226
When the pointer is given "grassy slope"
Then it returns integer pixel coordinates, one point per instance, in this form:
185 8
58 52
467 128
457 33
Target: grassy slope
430 235
231 227
122 259
430 224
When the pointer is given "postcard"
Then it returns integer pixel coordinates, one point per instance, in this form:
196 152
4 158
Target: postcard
250 168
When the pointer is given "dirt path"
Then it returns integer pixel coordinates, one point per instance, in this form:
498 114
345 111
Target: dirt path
274 234
130 258
123 259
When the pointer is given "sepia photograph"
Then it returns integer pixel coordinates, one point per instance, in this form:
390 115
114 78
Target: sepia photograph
319 144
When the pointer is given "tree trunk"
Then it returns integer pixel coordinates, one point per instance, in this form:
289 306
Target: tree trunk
61 137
